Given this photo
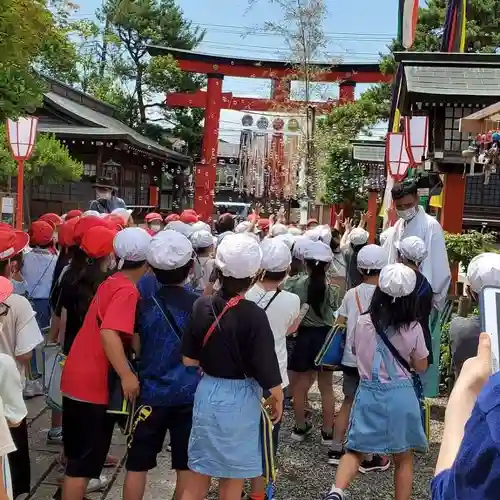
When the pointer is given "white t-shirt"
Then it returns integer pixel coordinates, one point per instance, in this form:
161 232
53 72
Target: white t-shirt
350 310
19 331
12 409
203 268
281 313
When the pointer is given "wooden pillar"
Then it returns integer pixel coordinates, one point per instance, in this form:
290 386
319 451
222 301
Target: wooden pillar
373 213
453 210
206 170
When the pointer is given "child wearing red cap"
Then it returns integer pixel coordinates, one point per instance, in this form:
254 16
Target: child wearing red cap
99 349
153 220
20 336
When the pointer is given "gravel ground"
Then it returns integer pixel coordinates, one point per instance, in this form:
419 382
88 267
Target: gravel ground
305 475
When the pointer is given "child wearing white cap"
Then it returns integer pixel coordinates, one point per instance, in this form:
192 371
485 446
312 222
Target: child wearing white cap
203 245
101 344
386 416
353 240
412 252
371 259
323 300
167 386
282 309
483 270
231 340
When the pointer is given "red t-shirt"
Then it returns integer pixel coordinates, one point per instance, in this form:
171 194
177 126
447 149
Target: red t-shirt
85 373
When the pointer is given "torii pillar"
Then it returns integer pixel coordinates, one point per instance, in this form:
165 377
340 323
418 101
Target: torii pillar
206 173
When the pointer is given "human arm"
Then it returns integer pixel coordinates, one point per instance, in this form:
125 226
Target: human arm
11 391
364 219
192 338
117 325
28 334
344 241
436 267
419 353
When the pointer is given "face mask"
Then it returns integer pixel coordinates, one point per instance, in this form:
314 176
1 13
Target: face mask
156 228
407 214
103 194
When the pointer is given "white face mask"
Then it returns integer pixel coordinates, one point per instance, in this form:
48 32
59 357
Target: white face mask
407 214
156 228
103 194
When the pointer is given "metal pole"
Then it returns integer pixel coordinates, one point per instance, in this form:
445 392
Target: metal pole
20 193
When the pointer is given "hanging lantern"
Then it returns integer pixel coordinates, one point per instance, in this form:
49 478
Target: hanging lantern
293 125
397 159
247 120
262 123
417 138
278 124
21 135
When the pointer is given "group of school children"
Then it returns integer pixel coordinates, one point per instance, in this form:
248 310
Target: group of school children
201 334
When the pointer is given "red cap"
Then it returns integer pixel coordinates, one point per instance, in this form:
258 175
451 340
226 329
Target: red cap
153 216
312 221
97 242
189 217
67 233
263 224
41 233
6 289
85 223
53 219
73 213
115 222
172 218
12 242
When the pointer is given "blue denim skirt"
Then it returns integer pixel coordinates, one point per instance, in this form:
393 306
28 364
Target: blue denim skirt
386 419
225 436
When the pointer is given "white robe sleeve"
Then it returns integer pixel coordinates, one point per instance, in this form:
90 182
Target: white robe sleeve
436 267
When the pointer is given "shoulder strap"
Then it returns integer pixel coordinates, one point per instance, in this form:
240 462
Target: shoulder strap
272 298
229 305
358 301
169 317
393 349
41 277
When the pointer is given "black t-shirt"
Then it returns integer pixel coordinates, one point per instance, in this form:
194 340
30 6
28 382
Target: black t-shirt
241 346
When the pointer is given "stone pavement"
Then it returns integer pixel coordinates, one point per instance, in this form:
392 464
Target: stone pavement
45 469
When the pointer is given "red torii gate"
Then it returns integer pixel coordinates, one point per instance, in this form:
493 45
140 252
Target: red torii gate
213 100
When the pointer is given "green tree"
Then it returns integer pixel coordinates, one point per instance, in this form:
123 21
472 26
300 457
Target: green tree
50 161
33 37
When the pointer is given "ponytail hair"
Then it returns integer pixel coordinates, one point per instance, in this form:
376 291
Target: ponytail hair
316 290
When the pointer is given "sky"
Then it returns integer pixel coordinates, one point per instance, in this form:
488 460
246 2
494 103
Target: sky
357 31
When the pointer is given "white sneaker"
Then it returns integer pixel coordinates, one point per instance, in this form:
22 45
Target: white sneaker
33 388
97 484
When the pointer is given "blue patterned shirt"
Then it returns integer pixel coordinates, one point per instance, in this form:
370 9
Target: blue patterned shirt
165 381
476 471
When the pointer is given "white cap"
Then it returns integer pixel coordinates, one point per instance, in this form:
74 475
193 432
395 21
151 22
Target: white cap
325 234
318 251
132 243
124 213
180 227
238 256
201 239
358 236
169 250
287 239
397 280
484 270
294 231
372 257
277 229
312 234
242 227
201 226
302 243
412 248
93 213
276 256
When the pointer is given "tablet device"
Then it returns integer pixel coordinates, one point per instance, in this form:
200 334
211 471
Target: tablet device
489 307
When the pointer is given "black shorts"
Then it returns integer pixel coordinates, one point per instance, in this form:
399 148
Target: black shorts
19 460
149 436
291 340
87 433
350 381
309 342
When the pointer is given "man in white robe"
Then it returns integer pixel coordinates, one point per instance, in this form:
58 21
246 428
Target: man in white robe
413 221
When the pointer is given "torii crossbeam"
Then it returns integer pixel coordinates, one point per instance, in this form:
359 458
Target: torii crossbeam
214 100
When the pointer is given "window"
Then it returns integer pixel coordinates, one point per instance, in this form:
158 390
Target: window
454 140
166 201
89 169
129 176
167 181
129 195
479 193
